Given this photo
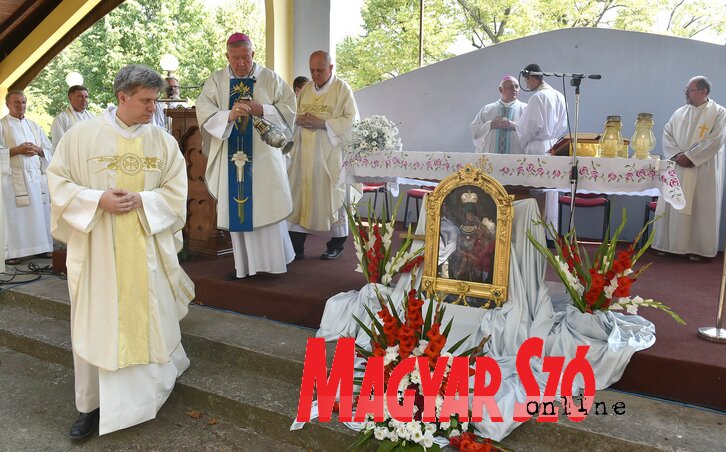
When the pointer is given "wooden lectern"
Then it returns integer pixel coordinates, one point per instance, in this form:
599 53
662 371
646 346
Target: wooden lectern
200 232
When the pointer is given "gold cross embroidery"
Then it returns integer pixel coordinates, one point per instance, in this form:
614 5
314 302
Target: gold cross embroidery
703 129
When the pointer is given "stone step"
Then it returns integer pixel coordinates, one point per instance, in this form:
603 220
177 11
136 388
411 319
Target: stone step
38 409
247 370
242 394
271 347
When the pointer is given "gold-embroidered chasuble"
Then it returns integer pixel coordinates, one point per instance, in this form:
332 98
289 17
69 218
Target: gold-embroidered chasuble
129 242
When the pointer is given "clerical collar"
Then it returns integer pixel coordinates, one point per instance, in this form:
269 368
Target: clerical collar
544 85
323 89
253 72
703 105
16 119
507 104
130 132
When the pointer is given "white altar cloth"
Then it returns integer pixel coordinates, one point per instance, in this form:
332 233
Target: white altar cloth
596 175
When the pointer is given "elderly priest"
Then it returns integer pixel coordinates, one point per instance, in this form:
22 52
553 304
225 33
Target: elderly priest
694 138
247 176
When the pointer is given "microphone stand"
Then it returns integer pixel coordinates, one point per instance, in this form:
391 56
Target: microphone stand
574 173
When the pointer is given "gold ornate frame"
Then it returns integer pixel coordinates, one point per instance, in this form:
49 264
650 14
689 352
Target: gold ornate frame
496 292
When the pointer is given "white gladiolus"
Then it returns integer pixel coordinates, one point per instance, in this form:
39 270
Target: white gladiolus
610 288
445 425
454 433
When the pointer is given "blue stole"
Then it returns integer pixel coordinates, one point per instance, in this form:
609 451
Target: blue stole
239 160
503 135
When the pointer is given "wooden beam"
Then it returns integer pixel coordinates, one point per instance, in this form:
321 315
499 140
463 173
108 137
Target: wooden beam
42 39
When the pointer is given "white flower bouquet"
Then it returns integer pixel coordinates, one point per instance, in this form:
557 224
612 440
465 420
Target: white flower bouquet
374 134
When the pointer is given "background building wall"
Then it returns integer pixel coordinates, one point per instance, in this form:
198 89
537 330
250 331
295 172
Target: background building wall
640 73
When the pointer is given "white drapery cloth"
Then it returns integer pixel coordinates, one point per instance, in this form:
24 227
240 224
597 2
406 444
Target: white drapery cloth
533 309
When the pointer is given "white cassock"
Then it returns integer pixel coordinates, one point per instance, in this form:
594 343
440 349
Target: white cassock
698 132
64 121
26 204
159 118
497 141
127 289
317 158
542 124
267 248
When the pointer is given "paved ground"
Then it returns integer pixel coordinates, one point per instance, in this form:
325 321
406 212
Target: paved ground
37 410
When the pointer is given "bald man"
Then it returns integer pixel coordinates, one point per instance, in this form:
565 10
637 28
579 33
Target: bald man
493 129
326 113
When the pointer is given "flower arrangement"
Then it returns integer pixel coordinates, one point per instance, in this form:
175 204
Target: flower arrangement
396 338
373 247
603 282
371 135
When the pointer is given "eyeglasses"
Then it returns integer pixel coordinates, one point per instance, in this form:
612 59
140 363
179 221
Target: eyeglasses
688 90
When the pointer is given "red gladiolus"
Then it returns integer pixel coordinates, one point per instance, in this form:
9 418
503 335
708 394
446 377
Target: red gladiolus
378 350
390 325
406 341
436 344
413 263
623 289
413 311
623 262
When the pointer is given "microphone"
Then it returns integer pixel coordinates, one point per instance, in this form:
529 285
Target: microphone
590 76
524 72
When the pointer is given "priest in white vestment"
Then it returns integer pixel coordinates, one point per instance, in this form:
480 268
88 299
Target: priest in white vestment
542 124
493 129
325 117
25 153
119 193
694 138
172 93
247 176
76 111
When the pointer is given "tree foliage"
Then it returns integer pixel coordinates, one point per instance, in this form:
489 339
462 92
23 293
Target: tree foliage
389 44
141 31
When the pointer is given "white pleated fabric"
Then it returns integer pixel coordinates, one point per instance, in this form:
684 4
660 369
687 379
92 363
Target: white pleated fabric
266 250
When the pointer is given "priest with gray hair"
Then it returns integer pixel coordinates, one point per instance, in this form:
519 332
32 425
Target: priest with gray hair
246 175
118 200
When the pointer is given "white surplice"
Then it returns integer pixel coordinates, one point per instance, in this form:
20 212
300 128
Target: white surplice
543 122
85 165
64 121
700 133
27 227
317 158
485 138
267 248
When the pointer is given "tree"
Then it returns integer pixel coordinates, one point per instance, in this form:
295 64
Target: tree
141 31
389 46
390 43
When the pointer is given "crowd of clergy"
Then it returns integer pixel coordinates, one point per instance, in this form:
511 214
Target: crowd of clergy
113 188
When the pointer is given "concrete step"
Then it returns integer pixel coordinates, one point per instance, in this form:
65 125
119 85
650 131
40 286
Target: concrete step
244 394
247 371
37 411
